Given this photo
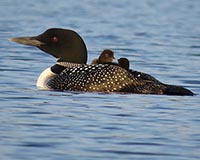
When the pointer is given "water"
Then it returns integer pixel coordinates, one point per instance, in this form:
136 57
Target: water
159 37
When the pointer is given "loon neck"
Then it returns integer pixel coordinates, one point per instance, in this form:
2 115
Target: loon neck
57 69
60 66
51 72
43 79
69 64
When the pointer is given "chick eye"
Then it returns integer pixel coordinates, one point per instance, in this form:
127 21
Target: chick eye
54 39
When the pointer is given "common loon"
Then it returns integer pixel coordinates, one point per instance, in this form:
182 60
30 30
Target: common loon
72 73
107 56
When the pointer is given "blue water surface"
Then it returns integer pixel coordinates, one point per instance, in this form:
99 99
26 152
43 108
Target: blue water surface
159 37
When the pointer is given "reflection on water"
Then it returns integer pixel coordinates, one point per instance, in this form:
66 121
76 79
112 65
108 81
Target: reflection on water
159 38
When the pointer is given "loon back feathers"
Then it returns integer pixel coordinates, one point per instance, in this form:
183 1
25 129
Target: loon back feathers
104 78
111 78
98 78
152 83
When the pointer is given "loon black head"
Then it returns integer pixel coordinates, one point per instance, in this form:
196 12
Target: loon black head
65 45
124 63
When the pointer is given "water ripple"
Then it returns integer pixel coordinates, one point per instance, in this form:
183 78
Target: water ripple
138 153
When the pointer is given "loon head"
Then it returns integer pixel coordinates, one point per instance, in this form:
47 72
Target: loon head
106 56
124 63
65 45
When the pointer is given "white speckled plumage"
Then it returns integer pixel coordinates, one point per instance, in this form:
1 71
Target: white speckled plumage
100 78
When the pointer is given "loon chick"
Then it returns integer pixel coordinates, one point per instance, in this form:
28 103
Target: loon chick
72 73
107 56
124 63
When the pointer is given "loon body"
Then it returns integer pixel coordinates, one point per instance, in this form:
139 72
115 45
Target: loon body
72 73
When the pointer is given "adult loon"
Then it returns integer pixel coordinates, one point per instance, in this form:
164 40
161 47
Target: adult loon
72 73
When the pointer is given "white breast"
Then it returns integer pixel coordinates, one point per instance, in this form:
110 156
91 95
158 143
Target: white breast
44 77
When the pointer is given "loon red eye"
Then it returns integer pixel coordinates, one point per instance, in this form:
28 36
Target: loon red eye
54 39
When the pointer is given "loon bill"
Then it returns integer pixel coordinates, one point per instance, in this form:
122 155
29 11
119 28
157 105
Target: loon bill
72 73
